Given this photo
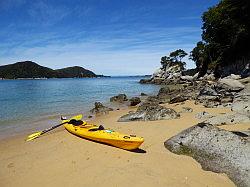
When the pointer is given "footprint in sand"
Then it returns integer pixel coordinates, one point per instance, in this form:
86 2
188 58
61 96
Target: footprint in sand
10 165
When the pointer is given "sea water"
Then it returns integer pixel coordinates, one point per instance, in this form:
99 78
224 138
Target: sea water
27 105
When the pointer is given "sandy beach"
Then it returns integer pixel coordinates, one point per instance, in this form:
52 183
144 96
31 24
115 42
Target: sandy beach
62 159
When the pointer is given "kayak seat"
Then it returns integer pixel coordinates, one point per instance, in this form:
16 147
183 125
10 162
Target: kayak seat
97 129
76 122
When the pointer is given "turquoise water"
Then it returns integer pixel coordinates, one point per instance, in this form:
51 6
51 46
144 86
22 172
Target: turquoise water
37 104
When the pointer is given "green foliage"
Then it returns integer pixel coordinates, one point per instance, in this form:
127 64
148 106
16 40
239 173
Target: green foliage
178 54
198 53
174 58
225 34
75 71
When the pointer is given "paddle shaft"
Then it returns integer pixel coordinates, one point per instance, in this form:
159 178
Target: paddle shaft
51 128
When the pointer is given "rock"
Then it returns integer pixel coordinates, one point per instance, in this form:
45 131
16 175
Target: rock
145 81
209 97
164 95
143 94
119 98
134 101
153 99
196 75
150 112
241 102
187 78
176 75
216 150
233 76
209 77
177 99
227 99
203 115
100 109
208 91
163 92
186 110
211 103
230 85
228 119
159 73
241 107
245 80
158 81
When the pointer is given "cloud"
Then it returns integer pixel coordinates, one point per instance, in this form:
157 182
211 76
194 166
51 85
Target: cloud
46 13
136 52
127 38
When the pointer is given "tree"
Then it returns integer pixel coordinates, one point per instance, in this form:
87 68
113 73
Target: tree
174 58
178 54
225 34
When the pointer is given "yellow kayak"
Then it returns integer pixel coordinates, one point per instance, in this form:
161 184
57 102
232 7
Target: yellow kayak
107 136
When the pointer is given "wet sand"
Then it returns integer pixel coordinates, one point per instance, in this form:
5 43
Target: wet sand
62 159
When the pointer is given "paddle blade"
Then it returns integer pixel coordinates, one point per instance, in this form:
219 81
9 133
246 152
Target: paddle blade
33 136
37 134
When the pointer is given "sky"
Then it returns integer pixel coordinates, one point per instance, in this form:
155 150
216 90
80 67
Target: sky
110 37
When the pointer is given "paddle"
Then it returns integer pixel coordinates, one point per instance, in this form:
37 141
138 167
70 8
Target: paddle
37 134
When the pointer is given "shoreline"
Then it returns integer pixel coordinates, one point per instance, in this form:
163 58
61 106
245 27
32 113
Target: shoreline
42 110
63 153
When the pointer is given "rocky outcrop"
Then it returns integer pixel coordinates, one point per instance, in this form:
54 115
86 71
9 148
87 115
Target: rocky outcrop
119 98
100 109
134 101
216 150
230 85
150 112
164 75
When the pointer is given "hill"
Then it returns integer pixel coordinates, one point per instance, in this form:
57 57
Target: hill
29 69
75 71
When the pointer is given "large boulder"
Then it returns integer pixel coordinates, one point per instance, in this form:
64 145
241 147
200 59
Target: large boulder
216 150
119 98
228 119
150 112
100 109
230 85
241 102
134 101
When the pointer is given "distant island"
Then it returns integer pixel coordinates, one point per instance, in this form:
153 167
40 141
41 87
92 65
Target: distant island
32 70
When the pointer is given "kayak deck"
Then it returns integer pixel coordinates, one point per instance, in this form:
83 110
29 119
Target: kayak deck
107 136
